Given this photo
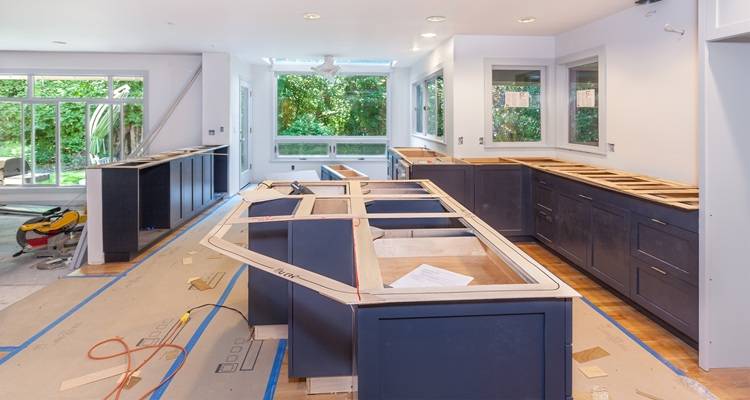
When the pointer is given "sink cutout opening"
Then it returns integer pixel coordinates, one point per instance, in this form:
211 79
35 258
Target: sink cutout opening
330 206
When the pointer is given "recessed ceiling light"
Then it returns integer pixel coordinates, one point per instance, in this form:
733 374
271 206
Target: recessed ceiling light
311 16
415 49
59 42
436 18
429 35
527 20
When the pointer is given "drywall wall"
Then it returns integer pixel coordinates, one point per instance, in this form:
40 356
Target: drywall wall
262 152
439 59
166 75
652 94
470 55
725 195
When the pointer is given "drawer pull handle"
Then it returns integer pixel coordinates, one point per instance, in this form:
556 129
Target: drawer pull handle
659 222
585 197
542 182
659 270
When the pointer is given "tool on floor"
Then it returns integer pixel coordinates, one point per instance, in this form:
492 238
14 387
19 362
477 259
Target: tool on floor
53 235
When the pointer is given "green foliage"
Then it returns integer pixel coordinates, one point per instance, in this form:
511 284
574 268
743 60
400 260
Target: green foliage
13 87
516 124
71 88
310 105
584 128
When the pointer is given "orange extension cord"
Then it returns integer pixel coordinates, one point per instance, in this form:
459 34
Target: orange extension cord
127 351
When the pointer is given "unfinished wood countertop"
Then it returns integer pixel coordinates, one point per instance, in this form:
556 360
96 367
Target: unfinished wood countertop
662 191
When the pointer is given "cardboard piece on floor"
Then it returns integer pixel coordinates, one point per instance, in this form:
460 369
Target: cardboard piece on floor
599 393
593 371
192 252
646 395
199 283
93 377
591 354
170 355
187 260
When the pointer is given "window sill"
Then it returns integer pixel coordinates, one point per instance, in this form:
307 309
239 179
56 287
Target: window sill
328 159
518 145
429 138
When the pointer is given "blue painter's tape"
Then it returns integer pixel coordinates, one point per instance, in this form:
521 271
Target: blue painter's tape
635 338
99 291
8 348
198 333
273 377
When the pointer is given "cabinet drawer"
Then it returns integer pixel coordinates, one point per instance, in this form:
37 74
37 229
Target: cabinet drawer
673 300
544 196
667 247
544 226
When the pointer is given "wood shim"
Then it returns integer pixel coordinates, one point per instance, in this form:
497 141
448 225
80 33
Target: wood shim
646 395
591 354
593 371
93 377
199 283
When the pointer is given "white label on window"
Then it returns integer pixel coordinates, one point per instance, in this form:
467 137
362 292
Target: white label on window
517 99
586 98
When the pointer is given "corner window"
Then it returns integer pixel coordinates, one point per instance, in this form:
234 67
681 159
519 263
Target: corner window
344 116
429 113
53 126
583 104
515 111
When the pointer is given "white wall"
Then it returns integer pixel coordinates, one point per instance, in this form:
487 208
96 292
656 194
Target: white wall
262 154
167 75
652 92
725 196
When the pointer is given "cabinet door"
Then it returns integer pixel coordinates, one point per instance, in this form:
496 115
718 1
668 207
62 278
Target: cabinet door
208 178
669 298
456 180
197 182
610 246
573 236
175 193
186 187
499 197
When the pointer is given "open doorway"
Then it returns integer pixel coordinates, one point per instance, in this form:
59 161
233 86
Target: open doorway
245 131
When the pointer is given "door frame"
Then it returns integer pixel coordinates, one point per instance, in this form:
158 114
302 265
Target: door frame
245 175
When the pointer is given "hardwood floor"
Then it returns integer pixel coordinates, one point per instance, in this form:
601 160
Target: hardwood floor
727 384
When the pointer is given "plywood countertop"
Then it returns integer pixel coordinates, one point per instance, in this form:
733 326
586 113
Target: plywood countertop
662 191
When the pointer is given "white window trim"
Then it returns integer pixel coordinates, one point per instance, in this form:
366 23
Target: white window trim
30 73
563 66
330 140
422 81
543 65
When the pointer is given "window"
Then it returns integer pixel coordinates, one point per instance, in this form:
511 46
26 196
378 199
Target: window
429 115
340 117
53 126
515 105
583 104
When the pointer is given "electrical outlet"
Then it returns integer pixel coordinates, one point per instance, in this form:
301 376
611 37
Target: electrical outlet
611 147
292 167
481 140
221 129
211 132
460 140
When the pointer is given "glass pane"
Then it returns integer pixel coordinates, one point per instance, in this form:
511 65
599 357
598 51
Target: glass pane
419 109
584 105
432 102
309 105
360 149
116 151
10 143
73 143
244 127
133 127
127 87
303 149
100 130
28 144
13 85
516 106
44 156
79 87
440 106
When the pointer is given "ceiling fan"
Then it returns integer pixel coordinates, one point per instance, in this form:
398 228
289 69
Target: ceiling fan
328 69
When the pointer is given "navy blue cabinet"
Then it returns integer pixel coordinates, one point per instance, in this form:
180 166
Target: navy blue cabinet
573 236
500 197
455 179
610 246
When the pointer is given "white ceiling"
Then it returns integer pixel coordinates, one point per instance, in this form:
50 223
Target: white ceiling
251 29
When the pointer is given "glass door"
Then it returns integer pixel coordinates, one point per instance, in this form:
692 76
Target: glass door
244 131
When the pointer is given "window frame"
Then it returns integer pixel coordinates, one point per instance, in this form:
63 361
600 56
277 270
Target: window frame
422 82
331 141
30 99
564 65
542 65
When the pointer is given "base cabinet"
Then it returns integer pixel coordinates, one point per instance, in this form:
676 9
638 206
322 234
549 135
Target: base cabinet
500 193
573 238
610 246
456 180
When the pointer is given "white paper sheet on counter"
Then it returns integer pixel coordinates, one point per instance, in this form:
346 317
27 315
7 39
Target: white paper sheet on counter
427 275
